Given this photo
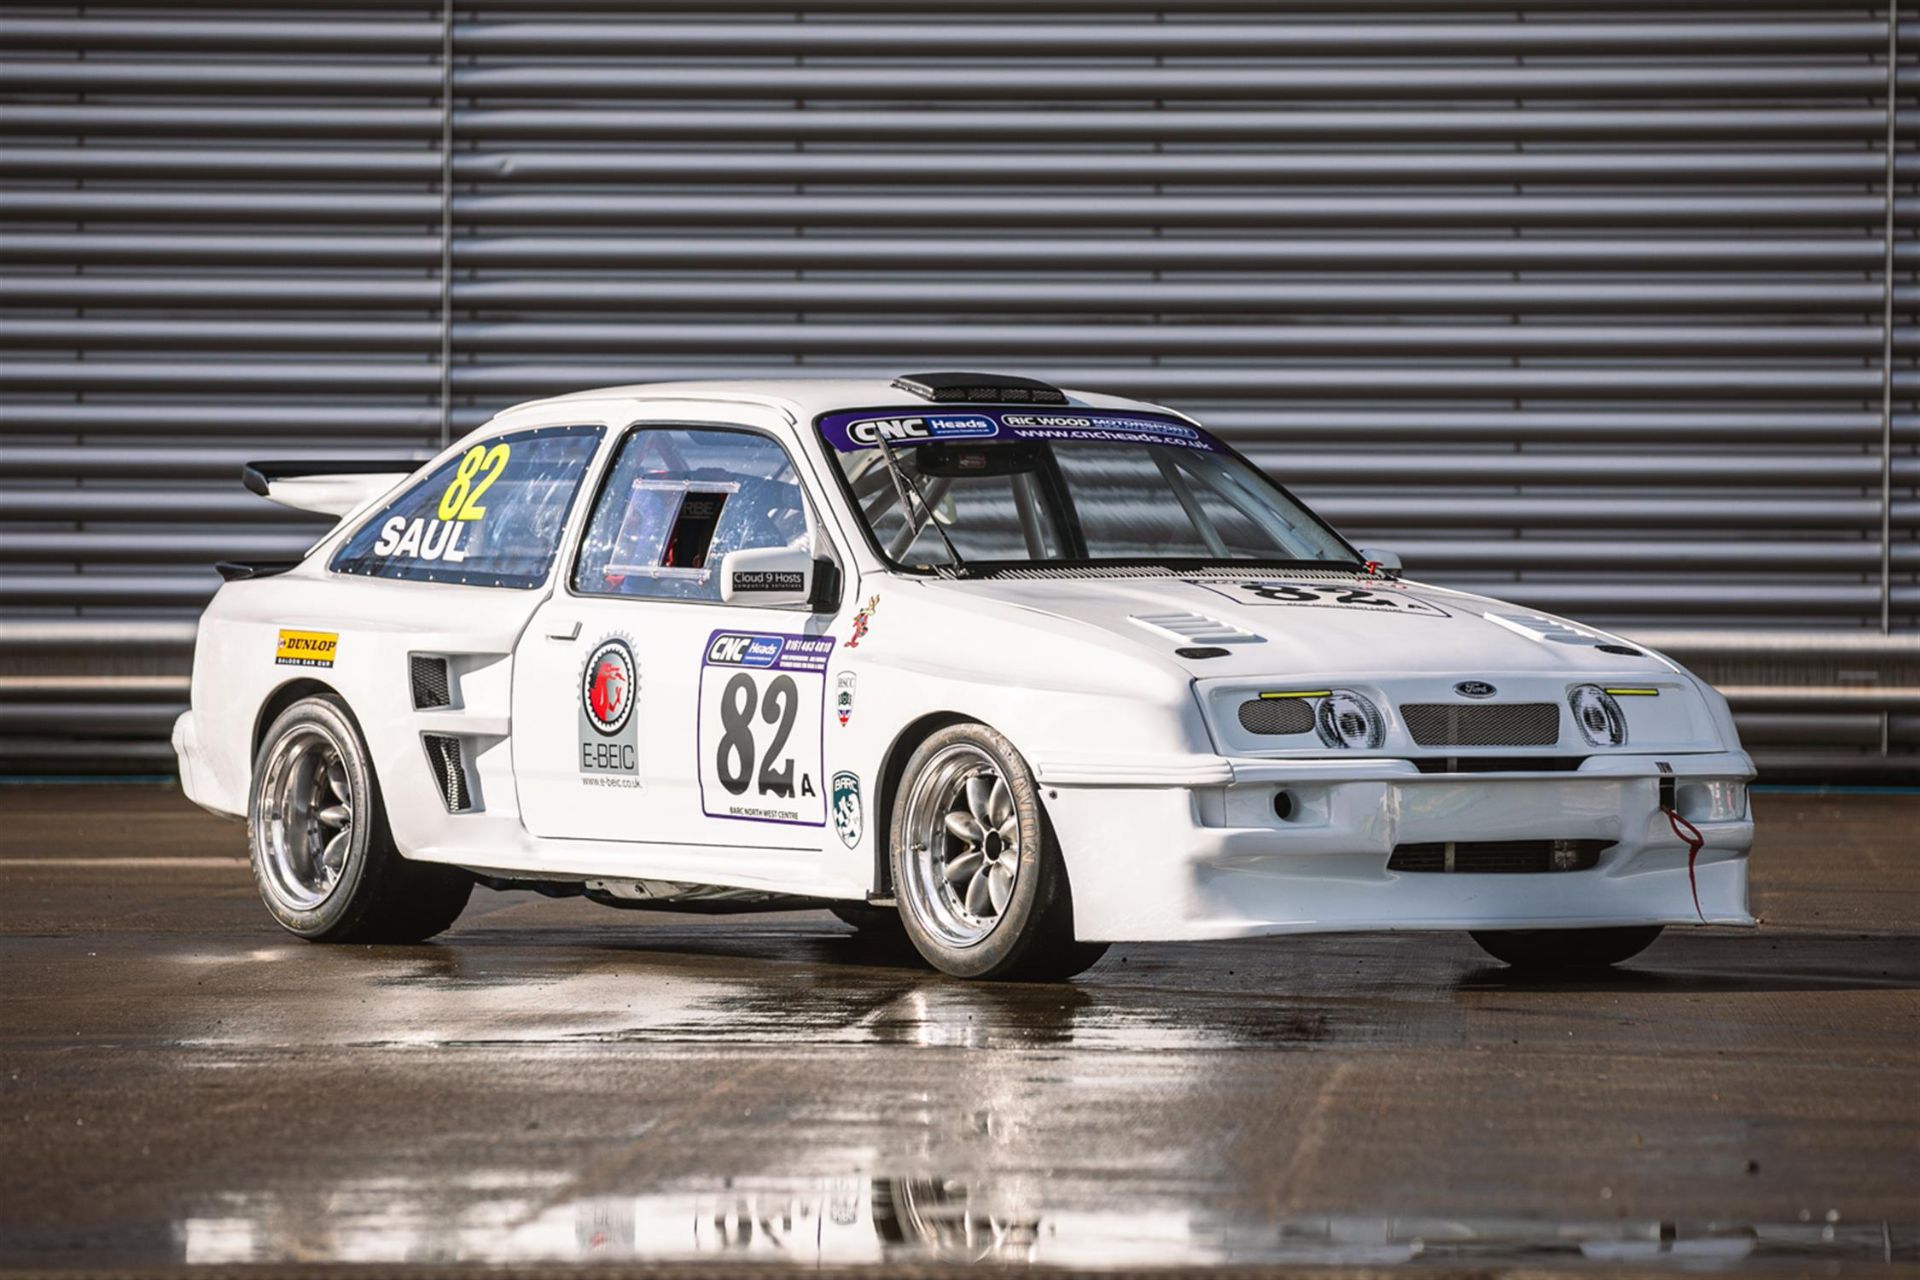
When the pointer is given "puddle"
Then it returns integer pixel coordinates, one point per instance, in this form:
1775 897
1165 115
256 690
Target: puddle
1030 1220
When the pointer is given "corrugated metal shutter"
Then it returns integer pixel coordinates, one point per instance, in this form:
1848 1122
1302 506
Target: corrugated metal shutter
1583 304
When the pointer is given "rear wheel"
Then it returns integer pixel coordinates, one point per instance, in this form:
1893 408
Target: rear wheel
1565 948
981 884
323 857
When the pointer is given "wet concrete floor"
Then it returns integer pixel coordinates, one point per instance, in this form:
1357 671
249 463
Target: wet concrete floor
552 1081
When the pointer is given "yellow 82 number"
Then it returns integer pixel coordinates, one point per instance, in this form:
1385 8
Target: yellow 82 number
461 501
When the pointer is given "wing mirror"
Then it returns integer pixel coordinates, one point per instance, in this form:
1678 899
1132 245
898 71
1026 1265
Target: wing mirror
777 578
1389 561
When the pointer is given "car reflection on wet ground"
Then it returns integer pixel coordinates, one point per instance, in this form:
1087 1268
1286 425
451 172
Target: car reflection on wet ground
553 1082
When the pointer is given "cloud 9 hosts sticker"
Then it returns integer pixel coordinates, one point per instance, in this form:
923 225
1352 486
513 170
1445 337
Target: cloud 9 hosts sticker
609 736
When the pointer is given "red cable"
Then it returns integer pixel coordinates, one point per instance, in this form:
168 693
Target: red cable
1691 837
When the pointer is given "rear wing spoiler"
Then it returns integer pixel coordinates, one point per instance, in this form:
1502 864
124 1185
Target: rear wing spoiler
333 487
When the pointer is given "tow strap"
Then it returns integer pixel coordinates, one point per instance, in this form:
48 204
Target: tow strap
1688 834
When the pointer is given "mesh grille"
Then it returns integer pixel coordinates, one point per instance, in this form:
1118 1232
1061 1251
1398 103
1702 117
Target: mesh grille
1276 715
1497 856
1499 764
450 772
430 688
1500 724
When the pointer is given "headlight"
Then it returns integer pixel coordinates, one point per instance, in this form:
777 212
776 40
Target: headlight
1717 801
1345 719
1601 721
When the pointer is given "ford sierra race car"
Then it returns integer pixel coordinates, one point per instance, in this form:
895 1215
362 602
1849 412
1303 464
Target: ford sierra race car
1020 671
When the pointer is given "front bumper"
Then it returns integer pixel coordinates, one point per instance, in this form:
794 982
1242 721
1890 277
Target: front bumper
1211 859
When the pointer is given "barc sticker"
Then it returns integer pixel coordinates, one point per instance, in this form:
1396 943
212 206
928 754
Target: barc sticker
846 807
762 711
306 648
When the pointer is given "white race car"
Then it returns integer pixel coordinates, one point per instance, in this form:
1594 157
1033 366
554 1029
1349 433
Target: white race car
1019 670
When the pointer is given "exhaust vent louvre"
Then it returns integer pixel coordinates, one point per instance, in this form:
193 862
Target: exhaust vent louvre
431 685
449 771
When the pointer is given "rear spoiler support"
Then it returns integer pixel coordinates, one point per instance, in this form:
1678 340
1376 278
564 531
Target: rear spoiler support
330 487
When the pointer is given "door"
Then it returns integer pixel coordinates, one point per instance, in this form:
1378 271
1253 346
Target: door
645 707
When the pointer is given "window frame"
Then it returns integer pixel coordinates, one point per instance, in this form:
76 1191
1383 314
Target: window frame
336 542
817 525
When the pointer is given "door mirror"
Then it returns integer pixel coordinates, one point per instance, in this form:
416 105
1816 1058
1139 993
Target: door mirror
771 577
1389 561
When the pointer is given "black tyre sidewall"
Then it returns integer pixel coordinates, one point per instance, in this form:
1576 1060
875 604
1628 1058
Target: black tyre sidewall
342 909
1566 948
1030 921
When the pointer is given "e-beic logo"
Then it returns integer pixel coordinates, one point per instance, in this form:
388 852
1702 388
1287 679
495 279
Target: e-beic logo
606 687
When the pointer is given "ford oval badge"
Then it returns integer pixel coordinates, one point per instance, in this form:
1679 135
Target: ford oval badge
1475 689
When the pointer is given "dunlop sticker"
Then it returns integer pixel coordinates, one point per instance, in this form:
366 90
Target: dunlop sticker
306 648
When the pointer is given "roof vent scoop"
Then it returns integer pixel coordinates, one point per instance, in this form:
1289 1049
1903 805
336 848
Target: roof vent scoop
978 388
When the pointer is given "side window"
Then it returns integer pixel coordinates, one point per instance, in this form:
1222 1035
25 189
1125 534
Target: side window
676 500
491 516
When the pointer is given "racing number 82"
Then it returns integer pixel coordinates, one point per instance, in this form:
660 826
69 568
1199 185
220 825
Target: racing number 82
461 501
738 703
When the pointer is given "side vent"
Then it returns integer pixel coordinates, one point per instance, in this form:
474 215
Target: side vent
431 686
449 771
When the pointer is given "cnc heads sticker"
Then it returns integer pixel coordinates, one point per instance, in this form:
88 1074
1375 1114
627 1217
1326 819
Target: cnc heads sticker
762 708
609 736
306 648
846 807
860 621
843 687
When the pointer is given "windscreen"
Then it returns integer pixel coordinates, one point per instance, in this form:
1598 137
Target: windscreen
1008 487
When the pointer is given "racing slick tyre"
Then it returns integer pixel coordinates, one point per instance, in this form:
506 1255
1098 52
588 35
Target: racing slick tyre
1565 948
978 874
323 857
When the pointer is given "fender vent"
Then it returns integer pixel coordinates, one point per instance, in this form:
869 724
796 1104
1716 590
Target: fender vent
1508 857
431 687
449 770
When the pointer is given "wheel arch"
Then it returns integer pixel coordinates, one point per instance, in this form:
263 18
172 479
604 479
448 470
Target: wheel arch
893 763
282 697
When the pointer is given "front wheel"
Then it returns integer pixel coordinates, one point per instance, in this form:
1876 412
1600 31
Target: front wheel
323 857
1565 948
981 884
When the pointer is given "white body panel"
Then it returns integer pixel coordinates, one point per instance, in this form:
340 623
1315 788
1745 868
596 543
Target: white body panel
1164 806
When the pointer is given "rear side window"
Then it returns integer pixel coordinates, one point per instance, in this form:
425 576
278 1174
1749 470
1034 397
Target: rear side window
491 516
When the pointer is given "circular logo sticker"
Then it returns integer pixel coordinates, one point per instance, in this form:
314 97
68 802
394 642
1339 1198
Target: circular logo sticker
606 687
